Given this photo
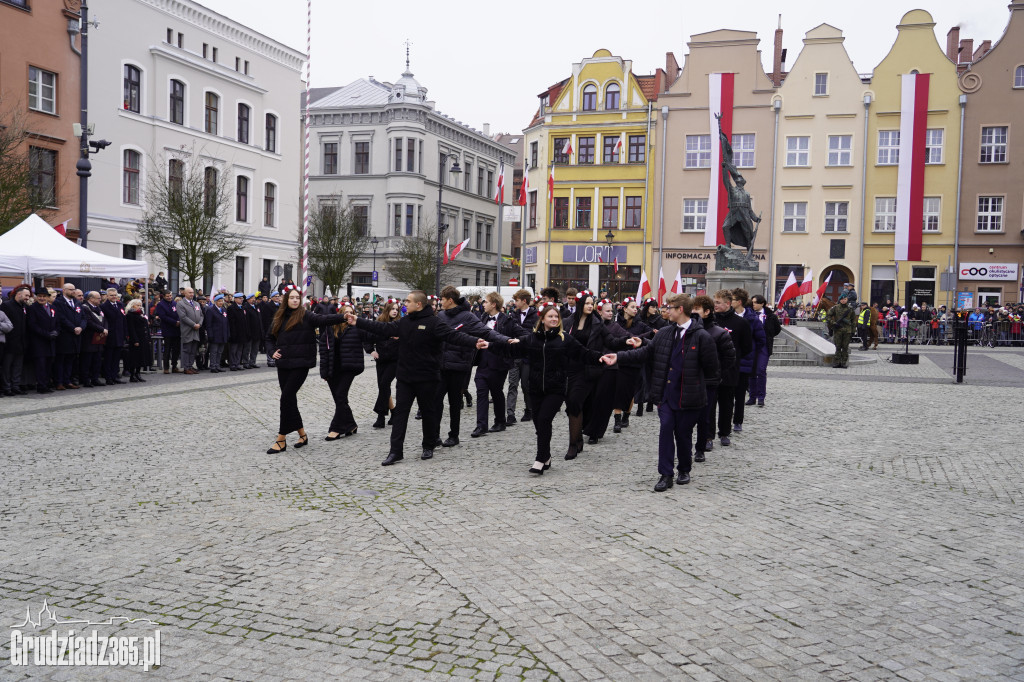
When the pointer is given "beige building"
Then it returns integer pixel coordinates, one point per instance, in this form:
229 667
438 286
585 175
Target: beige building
818 210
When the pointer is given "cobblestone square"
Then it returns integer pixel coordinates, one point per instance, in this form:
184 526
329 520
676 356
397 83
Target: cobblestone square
864 526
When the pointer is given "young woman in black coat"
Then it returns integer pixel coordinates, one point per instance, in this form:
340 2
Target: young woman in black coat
605 392
629 381
292 343
385 353
341 361
140 350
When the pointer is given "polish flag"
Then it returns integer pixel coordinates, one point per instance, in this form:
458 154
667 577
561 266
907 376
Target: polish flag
821 290
457 250
910 178
661 286
499 196
551 184
444 259
807 286
615 264
720 101
677 283
791 290
618 146
525 187
63 228
645 287
567 149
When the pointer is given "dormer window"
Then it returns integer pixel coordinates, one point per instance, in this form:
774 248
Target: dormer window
611 97
589 98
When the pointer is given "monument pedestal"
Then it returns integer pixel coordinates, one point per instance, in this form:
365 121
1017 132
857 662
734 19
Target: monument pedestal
754 281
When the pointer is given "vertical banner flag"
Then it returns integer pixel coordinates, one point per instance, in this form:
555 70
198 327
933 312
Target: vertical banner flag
910 182
499 196
444 259
551 184
661 286
720 101
567 149
618 149
525 187
677 284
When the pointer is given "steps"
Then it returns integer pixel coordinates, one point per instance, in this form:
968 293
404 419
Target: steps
786 354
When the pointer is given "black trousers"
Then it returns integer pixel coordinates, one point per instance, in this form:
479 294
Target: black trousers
490 381
603 404
343 420
545 407
425 393
580 398
385 375
740 398
706 425
43 366
452 384
62 368
235 354
290 380
91 362
172 351
676 438
10 371
111 362
726 402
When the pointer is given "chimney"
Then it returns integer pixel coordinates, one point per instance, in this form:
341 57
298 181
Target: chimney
487 130
966 50
778 56
953 44
671 69
982 51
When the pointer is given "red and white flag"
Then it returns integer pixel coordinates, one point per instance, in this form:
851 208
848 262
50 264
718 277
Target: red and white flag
910 177
807 286
791 290
63 228
457 250
499 196
444 258
551 184
567 148
677 283
720 101
821 290
618 147
525 187
661 286
615 264
644 290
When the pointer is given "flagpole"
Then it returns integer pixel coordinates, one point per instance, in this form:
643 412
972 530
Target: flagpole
501 211
304 265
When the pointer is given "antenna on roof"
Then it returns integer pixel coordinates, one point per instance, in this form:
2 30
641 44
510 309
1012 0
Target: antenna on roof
407 44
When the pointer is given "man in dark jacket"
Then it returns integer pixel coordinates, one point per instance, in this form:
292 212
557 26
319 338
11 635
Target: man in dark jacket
113 312
494 366
749 362
457 361
215 319
526 316
727 373
238 332
683 359
421 336
16 308
42 334
742 340
252 315
68 313
167 313
94 326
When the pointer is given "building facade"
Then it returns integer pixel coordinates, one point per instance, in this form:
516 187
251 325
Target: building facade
175 85
590 140
990 252
384 149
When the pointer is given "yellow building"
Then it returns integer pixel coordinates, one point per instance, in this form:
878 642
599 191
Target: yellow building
594 128
916 50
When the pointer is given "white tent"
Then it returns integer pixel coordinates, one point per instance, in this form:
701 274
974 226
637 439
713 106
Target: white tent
35 248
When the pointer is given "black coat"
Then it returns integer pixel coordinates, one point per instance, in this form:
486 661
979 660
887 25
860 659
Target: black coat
298 345
387 349
138 333
772 328
238 324
215 321
700 363
550 354
113 313
19 318
498 359
530 320
594 336
342 353
742 338
421 338
42 331
93 323
728 368
267 312
638 328
68 318
252 317
458 358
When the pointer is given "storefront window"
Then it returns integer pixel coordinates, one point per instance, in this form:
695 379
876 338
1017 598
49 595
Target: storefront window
563 277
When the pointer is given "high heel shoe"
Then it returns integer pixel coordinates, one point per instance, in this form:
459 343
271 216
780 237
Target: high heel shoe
572 451
539 470
329 438
274 450
351 433
303 442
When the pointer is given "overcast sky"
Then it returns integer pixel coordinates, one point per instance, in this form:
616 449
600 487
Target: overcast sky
485 62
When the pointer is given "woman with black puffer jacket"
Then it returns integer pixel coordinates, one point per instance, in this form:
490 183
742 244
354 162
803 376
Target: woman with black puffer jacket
341 361
384 352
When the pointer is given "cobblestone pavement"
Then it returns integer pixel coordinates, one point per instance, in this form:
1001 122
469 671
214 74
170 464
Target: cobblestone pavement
865 529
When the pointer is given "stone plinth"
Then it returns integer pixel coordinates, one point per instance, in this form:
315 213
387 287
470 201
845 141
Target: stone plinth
754 281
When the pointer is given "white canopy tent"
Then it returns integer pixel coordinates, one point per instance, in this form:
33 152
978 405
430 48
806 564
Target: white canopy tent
35 248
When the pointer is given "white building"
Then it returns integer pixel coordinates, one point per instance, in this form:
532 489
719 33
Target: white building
169 79
377 146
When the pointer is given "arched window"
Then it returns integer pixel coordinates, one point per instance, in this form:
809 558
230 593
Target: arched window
212 110
611 97
210 191
132 161
271 133
590 97
132 88
176 110
243 123
1018 77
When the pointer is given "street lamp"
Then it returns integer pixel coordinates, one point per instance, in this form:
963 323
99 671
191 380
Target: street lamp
610 238
374 242
441 228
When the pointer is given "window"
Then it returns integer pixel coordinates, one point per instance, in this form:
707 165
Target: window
398 220
206 50
271 131
534 148
42 90
782 276
695 215
933 145
238 63
211 187
888 147
479 235
132 161
480 181
175 178
181 40
243 123
993 144
487 231
170 35
132 88
610 212
410 155
586 150
930 218
637 148
410 217
564 276
836 213
176 111
242 199
1018 77
490 183
582 211
990 214
269 196
794 216
361 218
743 150
362 158
611 97
129 251
330 158
398 156
698 151
533 210
634 213
214 58
885 214
468 172
820 84
240 273
465 229
210 117
589 97
611 149
922 272
840 150
557 155
246 67
561 212
43 175
798 151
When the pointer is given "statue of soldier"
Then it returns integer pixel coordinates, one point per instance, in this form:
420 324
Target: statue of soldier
738 227
841 317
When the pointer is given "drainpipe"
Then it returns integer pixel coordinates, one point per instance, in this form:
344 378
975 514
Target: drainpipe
864 194
769 283
661 209
647 177
959 182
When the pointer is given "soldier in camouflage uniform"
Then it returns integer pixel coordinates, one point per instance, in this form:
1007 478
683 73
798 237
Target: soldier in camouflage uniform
841 317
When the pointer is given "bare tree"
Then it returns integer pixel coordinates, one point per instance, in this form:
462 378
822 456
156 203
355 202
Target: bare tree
337 238
20 192
188 216
416 262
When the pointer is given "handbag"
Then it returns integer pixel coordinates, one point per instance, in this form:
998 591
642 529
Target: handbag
98 339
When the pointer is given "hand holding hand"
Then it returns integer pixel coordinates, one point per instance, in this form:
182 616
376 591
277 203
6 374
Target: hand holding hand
482 344
78 330
634 341
511 341
277 354
375 355
609 359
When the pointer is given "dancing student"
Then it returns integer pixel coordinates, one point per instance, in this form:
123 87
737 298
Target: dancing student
494 366
628 380
749 362
526 316
292 343
551 353
652 317
384 352
605 389
341 361
728 374
772 328
729 395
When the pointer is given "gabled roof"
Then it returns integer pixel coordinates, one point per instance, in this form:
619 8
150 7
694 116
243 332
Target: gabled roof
650 86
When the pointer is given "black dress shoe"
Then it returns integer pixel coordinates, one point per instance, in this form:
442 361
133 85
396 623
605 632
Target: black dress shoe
750 401
534 469
497 427
699 457
379 424
419 414
592 441
725 441
640 410
510 420
527 416
448 443
427 454
683 479
478 431
116 381
663 484
469 399
391 459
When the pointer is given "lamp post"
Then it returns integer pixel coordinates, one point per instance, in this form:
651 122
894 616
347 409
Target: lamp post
610 238
441 228
374 242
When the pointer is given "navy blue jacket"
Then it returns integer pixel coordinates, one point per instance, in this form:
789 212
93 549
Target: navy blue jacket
42 330
113 313
216 322
498 359
759 357
168 314
739 329
458 358
696 365
68 317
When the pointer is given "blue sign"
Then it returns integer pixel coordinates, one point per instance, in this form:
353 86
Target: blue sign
530 255
309 280
374 278
593 253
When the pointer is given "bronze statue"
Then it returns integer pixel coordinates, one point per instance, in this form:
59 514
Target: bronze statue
738 227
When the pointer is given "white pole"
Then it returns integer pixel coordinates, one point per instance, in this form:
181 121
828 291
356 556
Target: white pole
304 265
